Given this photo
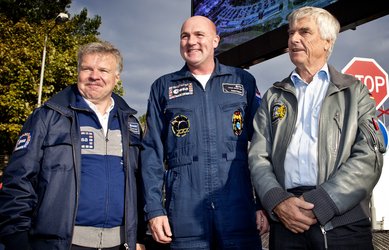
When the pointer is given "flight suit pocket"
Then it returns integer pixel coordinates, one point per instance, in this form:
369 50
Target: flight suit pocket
232 120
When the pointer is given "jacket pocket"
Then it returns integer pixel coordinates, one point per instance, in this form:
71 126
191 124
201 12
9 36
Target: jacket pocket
337 131
373 140
233 121
57 151
180 135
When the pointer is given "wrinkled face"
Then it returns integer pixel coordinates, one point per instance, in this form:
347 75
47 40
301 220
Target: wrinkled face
306 47
97 77
198 41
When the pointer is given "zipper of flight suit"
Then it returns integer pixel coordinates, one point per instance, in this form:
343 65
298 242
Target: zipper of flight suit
207 110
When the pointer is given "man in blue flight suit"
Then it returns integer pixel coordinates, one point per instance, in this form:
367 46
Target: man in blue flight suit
199 122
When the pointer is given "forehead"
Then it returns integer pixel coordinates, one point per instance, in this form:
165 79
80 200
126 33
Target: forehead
99 57
196 25
304 22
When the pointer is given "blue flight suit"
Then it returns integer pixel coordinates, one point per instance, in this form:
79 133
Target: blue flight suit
196 144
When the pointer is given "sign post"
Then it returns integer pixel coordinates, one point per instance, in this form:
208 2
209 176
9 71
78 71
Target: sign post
370 73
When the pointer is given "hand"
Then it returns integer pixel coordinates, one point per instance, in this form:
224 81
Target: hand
262 222
140 247
296 214
160 229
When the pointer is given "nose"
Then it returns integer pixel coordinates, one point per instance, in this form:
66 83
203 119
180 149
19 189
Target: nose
94 74
191 40
293 38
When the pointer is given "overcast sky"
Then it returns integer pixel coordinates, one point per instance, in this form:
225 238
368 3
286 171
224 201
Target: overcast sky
147 33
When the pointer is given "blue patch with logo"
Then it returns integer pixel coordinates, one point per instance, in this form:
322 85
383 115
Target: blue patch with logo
23 141
87 140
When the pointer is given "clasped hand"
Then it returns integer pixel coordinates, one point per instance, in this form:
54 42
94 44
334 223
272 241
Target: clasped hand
296 214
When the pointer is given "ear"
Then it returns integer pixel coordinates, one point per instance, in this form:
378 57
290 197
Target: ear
327 45
216 41
117 77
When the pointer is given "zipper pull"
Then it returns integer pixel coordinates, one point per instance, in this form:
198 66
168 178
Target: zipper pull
323 231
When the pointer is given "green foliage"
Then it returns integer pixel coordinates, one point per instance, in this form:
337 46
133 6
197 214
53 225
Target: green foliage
142 121
21 46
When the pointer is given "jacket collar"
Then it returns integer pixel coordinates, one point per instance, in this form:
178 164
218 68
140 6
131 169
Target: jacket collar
220 69
70 99
338 81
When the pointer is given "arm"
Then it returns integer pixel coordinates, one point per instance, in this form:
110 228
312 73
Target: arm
153 157
269 190
18 197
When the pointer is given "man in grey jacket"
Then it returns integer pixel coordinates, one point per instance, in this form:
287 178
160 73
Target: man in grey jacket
316 153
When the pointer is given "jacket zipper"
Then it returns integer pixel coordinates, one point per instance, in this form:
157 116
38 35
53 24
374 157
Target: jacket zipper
323 231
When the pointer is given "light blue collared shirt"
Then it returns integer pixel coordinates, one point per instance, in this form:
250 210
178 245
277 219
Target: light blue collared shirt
301 162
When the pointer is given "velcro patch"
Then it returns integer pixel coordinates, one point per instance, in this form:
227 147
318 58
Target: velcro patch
233 88
87 140
134 127
23 141
182 89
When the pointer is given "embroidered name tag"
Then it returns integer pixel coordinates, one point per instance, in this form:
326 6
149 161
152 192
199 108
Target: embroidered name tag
180 90
233 88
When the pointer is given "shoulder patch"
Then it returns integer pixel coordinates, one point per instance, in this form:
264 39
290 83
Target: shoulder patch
23 141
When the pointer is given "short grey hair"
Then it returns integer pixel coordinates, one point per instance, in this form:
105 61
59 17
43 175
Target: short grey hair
100 48
329 26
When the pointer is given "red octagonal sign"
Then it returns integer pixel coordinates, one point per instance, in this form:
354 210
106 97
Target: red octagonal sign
372 75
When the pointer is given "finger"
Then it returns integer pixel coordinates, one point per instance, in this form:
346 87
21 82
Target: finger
166 229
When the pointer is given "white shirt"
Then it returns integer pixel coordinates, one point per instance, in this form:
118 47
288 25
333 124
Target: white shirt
301 161
103 118
203 79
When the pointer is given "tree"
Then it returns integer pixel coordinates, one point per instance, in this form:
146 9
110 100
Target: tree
21 45
34 11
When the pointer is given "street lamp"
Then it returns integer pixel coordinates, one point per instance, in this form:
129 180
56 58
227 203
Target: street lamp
61 18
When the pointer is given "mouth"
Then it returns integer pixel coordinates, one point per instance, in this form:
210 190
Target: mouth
296 50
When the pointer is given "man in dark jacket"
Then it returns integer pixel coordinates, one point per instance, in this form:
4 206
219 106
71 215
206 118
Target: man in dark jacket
72 179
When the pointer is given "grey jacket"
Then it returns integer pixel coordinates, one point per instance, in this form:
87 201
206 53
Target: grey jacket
350 149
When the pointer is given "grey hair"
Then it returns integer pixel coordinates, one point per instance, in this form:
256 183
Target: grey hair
328 24
100 48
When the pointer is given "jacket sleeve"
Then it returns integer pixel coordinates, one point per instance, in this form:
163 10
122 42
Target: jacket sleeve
262 172
153 157
253 102
354 178
18 197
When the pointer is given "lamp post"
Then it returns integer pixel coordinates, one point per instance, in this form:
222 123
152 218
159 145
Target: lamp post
61 18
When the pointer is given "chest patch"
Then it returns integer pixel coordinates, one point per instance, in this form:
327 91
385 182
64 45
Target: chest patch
278 112
134 127
182 89
180 125
237 122
87 140
233 88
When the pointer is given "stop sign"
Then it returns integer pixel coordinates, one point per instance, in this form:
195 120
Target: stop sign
369 72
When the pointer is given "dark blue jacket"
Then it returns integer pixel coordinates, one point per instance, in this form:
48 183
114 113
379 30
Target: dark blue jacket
201 138
42 181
